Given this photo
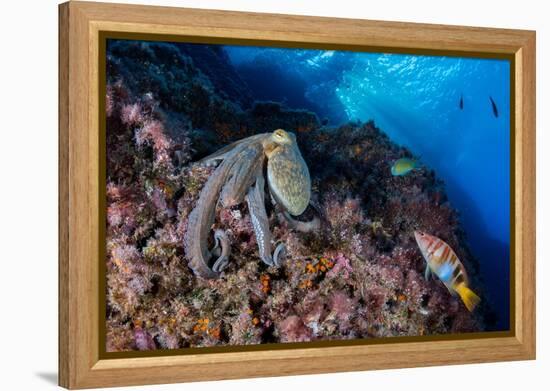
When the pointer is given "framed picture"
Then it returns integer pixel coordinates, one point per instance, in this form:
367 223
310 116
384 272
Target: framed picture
247 195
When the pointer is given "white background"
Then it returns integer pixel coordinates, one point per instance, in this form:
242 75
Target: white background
28 194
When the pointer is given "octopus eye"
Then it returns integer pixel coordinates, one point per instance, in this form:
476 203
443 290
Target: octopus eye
280 135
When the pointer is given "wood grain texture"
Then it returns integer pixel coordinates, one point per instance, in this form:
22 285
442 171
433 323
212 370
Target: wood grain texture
80 25
526 94
63 221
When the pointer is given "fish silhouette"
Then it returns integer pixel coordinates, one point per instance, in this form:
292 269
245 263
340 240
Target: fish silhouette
495 109
461 103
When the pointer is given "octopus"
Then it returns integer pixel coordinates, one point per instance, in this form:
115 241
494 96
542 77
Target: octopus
240 176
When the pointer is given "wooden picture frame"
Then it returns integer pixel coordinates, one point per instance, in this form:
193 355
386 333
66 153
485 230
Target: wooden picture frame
80 27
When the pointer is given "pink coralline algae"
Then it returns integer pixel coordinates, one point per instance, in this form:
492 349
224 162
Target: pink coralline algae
143 340
293 329
342 268
343 307
359 276
131 114
152 132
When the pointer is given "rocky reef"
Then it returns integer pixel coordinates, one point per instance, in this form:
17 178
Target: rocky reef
359 276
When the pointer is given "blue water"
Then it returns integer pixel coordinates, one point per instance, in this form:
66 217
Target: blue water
416 101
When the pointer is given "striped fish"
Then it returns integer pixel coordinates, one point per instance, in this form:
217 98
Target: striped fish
443 262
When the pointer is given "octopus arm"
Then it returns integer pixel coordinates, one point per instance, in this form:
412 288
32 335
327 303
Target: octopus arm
256 205
224 152
200 223
242 175
301 226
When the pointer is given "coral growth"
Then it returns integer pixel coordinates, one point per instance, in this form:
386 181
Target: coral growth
359 276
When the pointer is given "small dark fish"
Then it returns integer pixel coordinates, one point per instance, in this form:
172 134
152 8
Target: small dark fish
461 103
495 110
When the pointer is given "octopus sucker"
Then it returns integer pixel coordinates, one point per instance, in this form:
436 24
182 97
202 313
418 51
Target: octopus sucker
258 215
239 177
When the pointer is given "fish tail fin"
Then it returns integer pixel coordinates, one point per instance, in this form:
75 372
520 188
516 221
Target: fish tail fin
427 273
470 299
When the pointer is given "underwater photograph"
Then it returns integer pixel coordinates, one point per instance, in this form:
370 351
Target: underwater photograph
264 195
